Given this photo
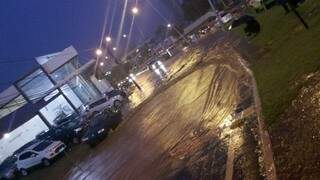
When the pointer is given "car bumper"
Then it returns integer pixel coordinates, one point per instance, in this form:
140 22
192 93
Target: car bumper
58 151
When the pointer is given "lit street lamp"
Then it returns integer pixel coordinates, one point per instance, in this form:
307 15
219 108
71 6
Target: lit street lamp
102 64
135 10
124 36
108 39
114 48
169 25
98 52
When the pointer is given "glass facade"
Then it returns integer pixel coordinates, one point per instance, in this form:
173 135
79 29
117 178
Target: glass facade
78 90
83 89
57 108
69 93
64 71
36 85
12 106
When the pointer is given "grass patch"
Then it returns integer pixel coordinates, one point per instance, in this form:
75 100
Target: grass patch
293 52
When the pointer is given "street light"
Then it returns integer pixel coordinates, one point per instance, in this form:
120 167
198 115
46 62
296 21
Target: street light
98 52
102 64
124 36
106 57
135 10
169 25
114 48
108 39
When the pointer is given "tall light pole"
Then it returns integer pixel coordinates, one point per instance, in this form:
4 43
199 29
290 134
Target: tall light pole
217 14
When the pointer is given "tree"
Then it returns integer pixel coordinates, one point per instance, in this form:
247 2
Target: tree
120 72
193 9
161 32
177 30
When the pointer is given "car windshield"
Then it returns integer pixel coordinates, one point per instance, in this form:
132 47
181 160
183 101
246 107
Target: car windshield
61 120
21 149
43 145
96 120
113 93
97 103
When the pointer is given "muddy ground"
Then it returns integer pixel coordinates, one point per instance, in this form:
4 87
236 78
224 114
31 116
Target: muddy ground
296 138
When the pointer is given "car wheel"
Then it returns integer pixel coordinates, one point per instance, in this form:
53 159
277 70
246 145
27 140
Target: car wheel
46 162
94 113
117 104
92 145
75 140
23 172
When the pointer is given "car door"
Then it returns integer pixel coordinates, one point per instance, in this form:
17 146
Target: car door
28 159
35 158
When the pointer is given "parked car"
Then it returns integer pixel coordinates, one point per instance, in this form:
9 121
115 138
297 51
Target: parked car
68 129
41 152
100 126
8 168
113 99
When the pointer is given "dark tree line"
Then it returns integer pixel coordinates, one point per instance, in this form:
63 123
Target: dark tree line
193 9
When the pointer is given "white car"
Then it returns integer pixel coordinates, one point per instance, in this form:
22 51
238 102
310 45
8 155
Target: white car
41 152
113 98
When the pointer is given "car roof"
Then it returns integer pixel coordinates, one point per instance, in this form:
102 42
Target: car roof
30 147
95 100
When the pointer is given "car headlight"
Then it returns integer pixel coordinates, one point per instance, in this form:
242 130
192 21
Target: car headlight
163 68
100 131
154 66
78 129
85 139
157 71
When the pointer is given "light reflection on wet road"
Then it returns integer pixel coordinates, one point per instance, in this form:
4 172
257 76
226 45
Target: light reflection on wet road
164 131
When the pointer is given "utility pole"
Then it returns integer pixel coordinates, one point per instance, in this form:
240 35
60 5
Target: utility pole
217 14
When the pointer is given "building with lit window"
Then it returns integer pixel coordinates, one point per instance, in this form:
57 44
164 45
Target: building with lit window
58 86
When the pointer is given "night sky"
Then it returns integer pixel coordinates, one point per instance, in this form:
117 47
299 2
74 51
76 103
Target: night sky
32 28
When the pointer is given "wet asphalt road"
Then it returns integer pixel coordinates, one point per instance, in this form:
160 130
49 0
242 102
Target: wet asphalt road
142 147
165 134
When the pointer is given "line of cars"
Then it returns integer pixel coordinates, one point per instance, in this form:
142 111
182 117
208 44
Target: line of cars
90 126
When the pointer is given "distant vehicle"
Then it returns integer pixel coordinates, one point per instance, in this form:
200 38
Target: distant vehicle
68 129
225 17
204 30
41 152
8 168
159 69
112 99
100 126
